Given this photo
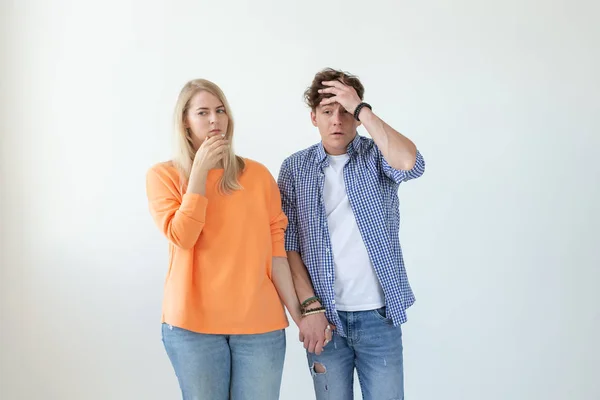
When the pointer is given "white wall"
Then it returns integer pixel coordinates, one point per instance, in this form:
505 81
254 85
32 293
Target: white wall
499 234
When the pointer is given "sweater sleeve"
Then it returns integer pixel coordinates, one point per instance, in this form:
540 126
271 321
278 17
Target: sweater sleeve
180 219
279 220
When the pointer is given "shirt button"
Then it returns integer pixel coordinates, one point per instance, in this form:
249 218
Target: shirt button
327 250
332 301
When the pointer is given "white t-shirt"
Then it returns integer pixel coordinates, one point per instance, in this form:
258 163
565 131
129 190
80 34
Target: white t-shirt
356 285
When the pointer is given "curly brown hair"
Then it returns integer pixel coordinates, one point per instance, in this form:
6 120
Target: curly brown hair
312 97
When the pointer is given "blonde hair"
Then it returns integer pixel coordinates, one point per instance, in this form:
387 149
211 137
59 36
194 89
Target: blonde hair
184 149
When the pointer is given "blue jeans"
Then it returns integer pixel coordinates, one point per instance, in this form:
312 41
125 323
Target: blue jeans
223 367
373 347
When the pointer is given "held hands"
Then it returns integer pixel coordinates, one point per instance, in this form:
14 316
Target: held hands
345 95
315 330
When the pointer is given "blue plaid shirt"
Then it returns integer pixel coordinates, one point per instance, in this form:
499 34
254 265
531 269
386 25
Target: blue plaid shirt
372 187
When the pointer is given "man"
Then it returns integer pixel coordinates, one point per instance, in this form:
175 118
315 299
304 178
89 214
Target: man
341 199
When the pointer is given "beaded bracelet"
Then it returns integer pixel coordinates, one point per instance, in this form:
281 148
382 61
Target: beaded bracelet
360 107
310 301
312 311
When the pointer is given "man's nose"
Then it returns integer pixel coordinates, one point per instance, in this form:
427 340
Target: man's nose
337 117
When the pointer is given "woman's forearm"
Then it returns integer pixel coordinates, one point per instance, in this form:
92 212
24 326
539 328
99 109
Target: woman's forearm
282 278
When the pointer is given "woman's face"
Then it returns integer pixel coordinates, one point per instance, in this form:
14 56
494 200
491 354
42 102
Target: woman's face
205 117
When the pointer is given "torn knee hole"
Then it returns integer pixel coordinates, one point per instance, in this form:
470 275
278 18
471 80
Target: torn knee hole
319 368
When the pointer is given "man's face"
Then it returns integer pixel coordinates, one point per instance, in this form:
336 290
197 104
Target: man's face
336 126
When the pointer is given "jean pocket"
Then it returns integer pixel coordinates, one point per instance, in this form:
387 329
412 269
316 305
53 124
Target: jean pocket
380 315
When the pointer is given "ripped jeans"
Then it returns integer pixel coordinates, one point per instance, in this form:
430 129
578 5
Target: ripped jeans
373 347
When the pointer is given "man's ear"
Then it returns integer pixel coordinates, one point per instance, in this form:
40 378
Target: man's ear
313 117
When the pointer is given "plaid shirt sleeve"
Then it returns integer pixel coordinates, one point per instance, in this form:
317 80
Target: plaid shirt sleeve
398 175
288 204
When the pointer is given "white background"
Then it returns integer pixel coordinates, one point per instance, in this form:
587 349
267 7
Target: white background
499 235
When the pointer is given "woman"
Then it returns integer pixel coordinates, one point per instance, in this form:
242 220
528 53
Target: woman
223 319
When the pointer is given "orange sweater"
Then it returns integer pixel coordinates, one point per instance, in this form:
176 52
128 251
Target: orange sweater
220 251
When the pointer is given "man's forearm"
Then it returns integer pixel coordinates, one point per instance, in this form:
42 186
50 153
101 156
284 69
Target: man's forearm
398 150
302 282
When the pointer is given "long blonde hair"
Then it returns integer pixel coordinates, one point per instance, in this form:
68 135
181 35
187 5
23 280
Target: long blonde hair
184 149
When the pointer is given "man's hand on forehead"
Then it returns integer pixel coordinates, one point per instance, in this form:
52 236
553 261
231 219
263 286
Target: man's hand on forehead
343 94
